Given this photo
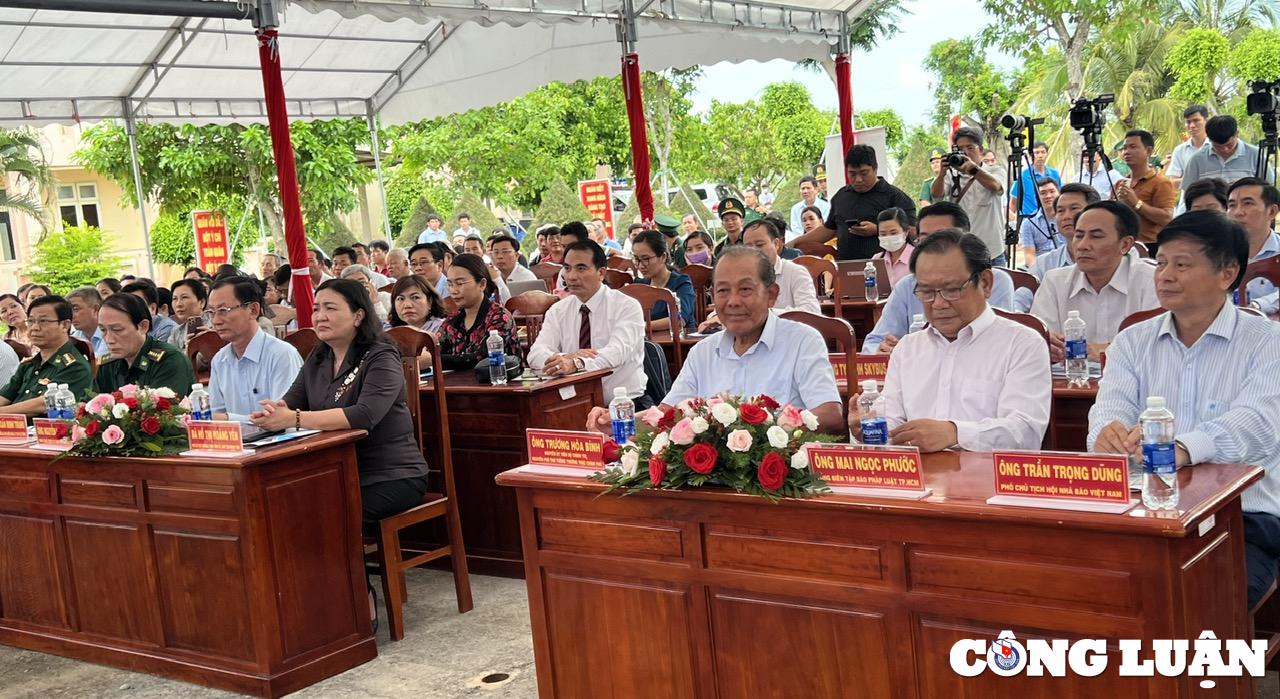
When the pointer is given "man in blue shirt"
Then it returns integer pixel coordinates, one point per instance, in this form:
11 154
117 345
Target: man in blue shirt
254 365
1039 170
895 319
433 232
1217 368
85 302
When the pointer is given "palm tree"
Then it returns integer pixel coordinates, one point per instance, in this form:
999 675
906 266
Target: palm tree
1233 18
22 158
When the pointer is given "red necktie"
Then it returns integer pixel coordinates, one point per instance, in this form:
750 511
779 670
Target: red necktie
584 331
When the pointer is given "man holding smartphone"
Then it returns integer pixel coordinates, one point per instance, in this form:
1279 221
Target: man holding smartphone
855 208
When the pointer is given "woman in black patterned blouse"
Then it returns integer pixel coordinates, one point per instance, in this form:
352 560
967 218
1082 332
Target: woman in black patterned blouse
463 335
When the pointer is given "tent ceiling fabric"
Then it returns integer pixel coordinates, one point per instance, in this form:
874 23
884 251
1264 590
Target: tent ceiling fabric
404 60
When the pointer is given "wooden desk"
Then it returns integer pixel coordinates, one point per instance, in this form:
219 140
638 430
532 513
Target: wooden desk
244 574
1069 416
706 593
487 425
861 314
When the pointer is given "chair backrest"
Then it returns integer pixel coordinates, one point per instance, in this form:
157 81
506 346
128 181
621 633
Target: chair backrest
616 279
835 331
1142 250
205 344
823 273
656 372
529 309
1023 280
387 288
819 250
700 275
23 351
282 315
304 340
545 270
619 263
1028 320
1135 318
449 304
87 350
649 296
1266 268
411 342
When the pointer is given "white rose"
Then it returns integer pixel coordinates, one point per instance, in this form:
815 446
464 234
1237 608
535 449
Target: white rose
739 440
777 437
685 409
120 410
164 392
699 425
724 414
800 460
630 461
810 420
660 442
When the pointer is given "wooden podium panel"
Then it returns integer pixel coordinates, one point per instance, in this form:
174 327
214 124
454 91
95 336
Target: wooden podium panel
707 593
244 574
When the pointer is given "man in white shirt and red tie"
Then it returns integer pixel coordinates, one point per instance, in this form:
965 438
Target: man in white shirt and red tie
971 379
593 327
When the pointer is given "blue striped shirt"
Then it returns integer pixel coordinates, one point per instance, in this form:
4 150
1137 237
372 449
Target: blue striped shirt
895 318
265 372
1224 392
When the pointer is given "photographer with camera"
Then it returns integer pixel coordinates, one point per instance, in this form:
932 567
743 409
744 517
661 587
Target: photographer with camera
1227 157
982 202
1027 205
1150 194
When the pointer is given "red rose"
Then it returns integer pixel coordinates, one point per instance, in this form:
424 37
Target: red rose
61 430
701 458
132 403
773 471
767 402
668 419
92 428
117 395
611 452
80 411
162 403
657 470
150 425
753 414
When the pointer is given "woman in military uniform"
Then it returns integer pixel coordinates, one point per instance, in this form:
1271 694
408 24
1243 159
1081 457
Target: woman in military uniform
136 357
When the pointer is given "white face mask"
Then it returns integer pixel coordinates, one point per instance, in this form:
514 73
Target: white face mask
893 243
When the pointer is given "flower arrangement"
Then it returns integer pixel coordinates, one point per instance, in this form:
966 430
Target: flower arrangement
131 422
752 445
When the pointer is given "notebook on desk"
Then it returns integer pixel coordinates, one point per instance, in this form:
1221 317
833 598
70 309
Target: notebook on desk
853 282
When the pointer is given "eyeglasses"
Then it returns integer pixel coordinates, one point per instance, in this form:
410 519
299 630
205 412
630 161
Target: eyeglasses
459 283
221 312
644 260
40 322
951 294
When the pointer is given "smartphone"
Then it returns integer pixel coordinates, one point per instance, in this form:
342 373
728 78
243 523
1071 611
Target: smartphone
853 222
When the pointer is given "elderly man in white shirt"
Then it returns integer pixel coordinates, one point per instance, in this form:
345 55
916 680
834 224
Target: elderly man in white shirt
1105 284
972 379
593 327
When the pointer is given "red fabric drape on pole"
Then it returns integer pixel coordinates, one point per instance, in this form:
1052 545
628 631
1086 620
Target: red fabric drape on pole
639 136
844 93
295 235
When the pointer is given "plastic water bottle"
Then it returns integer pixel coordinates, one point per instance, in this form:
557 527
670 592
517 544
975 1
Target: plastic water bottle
1077 350
623 414
875 429
201 409
1159 457
497 359
51 409
869 278
66 402
917 323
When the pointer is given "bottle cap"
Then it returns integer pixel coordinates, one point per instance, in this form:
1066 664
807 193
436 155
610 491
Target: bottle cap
492 333
1073 314
620 392
197 387
869 385
919 318
1155 402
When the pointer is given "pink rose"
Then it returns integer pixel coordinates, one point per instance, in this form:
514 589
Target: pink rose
713 402
98 402
682 433
112 435
739 440
129 390
651 417
790 419
77 433
185 418
686 408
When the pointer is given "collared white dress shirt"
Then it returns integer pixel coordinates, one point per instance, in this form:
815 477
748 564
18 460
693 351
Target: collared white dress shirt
522 274
795 289
789 363
1261 289
1224 392
617 335
993 381
265 372
1132 288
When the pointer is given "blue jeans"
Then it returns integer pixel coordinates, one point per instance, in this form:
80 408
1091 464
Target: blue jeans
1000 261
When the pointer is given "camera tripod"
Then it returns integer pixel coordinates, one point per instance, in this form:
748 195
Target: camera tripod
1267 153
1017 155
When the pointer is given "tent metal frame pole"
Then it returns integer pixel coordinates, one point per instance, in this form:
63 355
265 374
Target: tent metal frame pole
377 166
167 8
131 128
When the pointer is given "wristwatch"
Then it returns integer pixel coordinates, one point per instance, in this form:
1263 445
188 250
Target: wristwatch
1138 206
579 363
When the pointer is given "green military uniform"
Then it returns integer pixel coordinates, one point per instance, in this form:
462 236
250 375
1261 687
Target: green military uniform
926 189
158 364
669 227
34 375
730 205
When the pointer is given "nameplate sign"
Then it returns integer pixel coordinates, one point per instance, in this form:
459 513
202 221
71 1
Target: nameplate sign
870 470
13 429
52 435
215 438
868 366
1056 480
565 451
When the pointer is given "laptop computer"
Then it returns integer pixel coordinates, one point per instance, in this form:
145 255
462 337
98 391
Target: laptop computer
518 288
852 282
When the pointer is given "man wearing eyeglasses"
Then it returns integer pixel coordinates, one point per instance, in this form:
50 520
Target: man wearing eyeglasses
254 365
57 361
505 253
971 379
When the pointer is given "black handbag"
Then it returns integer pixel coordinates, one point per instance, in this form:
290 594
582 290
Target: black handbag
514 369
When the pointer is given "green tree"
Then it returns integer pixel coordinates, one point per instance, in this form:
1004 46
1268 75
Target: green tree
1231 18
667 103
1257 57
75 257
894 129
967 83
1196 61
22 158
560 204
404 188
742 149
914 165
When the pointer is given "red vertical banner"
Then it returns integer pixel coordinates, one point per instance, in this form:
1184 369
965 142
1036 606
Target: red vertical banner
597 196
844 94
639 137
213 245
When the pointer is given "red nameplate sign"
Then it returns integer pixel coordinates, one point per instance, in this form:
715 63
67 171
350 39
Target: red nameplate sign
1093 478
215 436
872 468
566 448
52 433
13 429
869 366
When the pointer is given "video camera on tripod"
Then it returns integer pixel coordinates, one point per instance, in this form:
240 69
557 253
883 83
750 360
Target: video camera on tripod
1087 117
1264 101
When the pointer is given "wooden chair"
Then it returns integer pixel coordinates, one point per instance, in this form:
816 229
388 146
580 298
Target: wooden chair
1142 250
700 275
87 350
23 351
1028 320
648 296
840 338
1267 268
529 309
282 315
619 263
390 560
1134 318
449 304
304 340
823 273
1024 280
615 279
387 288
819 250
545 270
204 344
